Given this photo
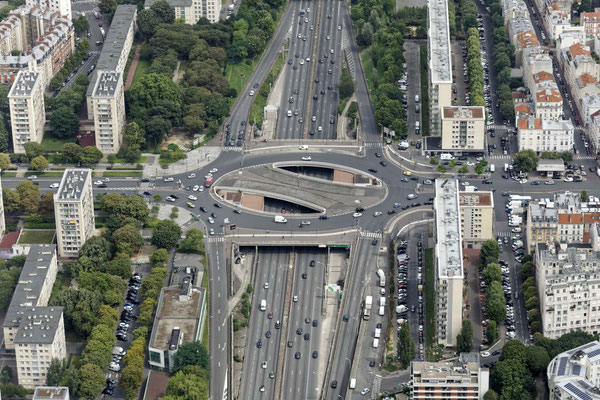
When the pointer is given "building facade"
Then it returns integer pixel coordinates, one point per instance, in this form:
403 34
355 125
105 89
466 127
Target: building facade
62 7
575 374
108 107
190 11
542 225
74 211
462 378
27 110
449 269
545 135
51 393
463 128
476 218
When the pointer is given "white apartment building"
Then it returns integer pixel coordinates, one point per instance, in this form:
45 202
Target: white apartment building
545 135
590 105
462 378
108 107
463 128
40 338
439 61
449 269
51 393
570 36
575 374
33 288
542 225
2 220
63 7
476 218
27 113
594 132
548 104
74 211
557 19
190 11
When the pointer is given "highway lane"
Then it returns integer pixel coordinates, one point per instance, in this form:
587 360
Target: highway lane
300 380
273 263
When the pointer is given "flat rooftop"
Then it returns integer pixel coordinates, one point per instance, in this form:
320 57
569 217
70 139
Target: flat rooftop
440 66
72 184
24 84
447 220
172 313
476 199
32 278
39 325
465 370
106 84
569 371
463 112
51 393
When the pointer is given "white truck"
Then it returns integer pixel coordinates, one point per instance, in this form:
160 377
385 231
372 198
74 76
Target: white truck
377 333
280 219
492 168
375 343
382 301
505 167
381 278
446 157
381 311
368 306
263 305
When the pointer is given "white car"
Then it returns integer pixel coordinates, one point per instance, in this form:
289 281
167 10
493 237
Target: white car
295 299
201 189
192 197
516 230
251 93
114 367
550 182
266 285
485 354
365 391
568 179
301 61
211 231
377 213
212 171
357 215
168 180
210 220
96 183
195 188
306 158
191 176
264 365
170 199
470 164
54 185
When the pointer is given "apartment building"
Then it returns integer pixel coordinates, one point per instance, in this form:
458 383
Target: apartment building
463 128
51 393
476 218
570 36
33 288
2 220
557 18
108 107
116 48
535 62
542 225
179 319
62 7
439 61
590 105
594 131
27 112
448 255
40 338
190 11
591 22
74 211
548 104
575 374
461 378
545 135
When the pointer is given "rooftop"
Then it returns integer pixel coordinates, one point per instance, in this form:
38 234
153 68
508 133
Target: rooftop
439 42
447 221
566 125
73 183
530 123
39 325
177 311
570 373
541 213
51 393
475 112
476 199
548 96
24 84
32 278
464 370
585 79
106 84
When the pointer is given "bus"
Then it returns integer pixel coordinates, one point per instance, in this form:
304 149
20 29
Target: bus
209 182
514 197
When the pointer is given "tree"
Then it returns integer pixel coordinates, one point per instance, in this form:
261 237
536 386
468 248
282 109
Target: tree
108 7
147 21
90 155
166 234
81 24
120 266
92 381
128 239
134 136
490 395
527 270
4 160
464 340
346 85
191 383
95 253
39 163
70 152
489 252
29 196
6 374
492 272
495 302
584 196
406 346
159 258
192 353
156 128
9 278
64 123
46 207
33 149
11 200
537 359
192 242
525 160
152 89
492 332
163 11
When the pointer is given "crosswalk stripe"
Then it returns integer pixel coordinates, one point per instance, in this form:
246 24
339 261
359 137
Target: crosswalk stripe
232 148
505 234
216 239
372 144
499 157
580 157
373 235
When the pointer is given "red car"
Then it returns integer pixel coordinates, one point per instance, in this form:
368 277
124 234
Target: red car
326 55
270 316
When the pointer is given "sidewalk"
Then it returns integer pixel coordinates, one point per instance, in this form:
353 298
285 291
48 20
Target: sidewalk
196 159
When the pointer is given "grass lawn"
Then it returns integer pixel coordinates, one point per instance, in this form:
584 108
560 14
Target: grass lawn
238 74
52 144
9 174
36 237
117 173
141 69
141 160
429 298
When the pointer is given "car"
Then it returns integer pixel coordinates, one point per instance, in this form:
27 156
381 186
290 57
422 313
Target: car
407 173
270 315
304 275
192 197
218 205
191 176
295 299
383 163
365 391
315 354
333 384
251 93
264 365
32 177
550 182
268 334
536 183
373 170
485 354
211 220
168 179
297 355
211 232
306 158
290 343
357 215
262 388
259 343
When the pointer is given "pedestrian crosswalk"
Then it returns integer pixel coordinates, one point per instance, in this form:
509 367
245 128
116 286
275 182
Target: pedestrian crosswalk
373 235
499 157
349 58
216 239
496 126
504 234
584 157
373 144
232 148
119 188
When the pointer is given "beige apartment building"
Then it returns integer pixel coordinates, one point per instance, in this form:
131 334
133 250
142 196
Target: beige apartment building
190 11
108 107
74 211
448 255
27 112
463 128
462 378
542 225
476 218
33 288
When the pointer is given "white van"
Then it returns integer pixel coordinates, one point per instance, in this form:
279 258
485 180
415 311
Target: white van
375 343
263 305
352 383
382 301
381 311
416 98
446 157
280 219
377 333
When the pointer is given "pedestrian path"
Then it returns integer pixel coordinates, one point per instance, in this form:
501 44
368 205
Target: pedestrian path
373 235
121 188
349 58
